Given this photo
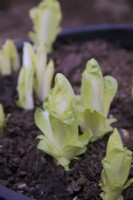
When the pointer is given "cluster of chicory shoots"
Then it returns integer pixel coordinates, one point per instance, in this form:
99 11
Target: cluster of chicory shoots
9 62
64 111
36 74
57 122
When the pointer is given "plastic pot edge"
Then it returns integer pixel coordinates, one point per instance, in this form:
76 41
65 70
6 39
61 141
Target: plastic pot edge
122 33
8 194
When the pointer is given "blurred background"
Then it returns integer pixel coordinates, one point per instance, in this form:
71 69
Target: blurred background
15 22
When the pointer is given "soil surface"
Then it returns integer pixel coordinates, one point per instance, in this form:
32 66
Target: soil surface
22 167
25 169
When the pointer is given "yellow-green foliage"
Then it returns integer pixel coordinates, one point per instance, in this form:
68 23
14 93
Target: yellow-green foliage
9 59
92 106
60 137
46 18
116 167
3 119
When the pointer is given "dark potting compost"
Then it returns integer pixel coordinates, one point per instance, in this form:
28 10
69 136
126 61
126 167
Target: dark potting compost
29 171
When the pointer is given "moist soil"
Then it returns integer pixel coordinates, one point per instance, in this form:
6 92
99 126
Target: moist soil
27 170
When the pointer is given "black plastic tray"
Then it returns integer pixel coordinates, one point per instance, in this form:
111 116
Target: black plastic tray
120 33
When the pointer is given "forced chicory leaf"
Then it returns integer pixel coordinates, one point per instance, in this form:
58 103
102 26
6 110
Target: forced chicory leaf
25 79
9 59
46 18
110 89
35 74
92 106
93 122
60 137
116 167
3 119
43 73
92 87
60 98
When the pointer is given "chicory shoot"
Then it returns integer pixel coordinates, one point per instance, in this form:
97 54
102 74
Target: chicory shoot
92 106
116 167
46 18
43 73
59 128
3 119
26 78
9 59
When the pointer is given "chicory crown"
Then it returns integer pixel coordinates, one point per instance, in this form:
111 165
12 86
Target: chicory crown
116 167
60 137
46 18
9 59
92 105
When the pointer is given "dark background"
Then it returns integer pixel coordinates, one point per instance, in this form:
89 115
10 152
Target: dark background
15 23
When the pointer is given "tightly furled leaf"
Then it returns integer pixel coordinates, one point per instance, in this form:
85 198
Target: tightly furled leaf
60 98
46 18
9 59
43 73
3 119
25 79
92 106
35 74
60 137
116 167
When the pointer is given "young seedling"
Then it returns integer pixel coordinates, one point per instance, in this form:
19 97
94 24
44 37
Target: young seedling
46 18
25 79
60 137
3 119
9 60
92 106
116 167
